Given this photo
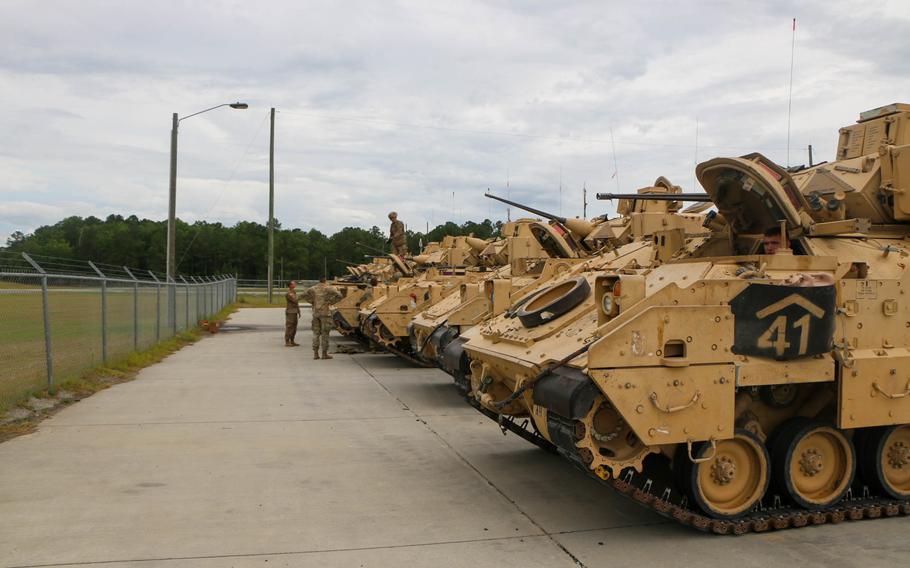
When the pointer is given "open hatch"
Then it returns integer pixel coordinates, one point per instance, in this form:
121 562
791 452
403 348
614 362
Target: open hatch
752 193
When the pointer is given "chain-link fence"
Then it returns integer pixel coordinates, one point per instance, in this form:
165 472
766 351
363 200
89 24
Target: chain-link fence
61 317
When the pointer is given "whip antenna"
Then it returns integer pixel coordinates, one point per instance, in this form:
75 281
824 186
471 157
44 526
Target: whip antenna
508 195
696 154
790 97
615 167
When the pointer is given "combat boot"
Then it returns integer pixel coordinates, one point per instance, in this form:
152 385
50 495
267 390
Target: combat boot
315 354
325 354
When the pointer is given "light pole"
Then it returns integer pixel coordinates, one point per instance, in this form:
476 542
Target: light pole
172 214
271 270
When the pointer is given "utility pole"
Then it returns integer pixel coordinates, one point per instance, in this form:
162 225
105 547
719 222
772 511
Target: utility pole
172 230
271 202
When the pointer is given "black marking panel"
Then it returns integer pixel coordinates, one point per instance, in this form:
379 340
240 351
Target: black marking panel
784 322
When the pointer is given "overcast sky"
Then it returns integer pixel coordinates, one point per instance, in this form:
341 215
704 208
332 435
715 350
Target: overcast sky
396 105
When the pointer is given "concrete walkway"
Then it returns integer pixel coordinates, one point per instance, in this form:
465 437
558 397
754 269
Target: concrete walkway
240 452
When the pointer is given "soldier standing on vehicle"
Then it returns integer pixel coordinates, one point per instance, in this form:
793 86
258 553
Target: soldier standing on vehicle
397 238
321 297
291 315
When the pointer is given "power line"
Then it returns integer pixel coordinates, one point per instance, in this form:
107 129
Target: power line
224 187
365 119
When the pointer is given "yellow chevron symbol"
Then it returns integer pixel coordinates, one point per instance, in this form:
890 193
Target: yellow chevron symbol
788 301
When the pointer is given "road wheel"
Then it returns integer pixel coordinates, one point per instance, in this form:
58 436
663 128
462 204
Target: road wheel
814 463
552 302
884 460
733 480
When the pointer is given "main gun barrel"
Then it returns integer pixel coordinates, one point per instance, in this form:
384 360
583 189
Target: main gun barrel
543 214
703 197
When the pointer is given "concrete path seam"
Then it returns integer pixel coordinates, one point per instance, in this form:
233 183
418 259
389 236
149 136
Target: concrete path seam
280 553
467 462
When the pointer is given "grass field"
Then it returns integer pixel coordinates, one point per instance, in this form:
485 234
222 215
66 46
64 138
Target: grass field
76 335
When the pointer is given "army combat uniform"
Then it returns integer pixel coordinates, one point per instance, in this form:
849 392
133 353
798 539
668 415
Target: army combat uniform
291 317
366 298
321 296
398 238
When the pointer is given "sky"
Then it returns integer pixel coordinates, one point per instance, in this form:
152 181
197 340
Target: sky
417 107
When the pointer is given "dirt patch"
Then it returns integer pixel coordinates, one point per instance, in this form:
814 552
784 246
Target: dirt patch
39 404
15 415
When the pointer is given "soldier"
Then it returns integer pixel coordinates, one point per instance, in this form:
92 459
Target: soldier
367 296
321 296
291 316
397 237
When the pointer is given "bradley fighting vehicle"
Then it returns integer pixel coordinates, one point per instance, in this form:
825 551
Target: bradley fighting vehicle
363 283
385 274
652 210
756 377
430 277
565 241
527 250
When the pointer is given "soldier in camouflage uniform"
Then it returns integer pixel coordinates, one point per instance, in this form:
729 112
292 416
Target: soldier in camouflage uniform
397 237
368 292
321 296
291 316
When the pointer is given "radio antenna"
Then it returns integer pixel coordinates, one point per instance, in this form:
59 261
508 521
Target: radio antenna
560 190
508 196
696 154
790 97
615 167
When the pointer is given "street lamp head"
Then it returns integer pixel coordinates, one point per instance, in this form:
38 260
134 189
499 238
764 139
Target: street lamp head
239 105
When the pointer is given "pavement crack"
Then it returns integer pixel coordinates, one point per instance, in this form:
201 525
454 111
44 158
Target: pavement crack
275 553
251 421
476 470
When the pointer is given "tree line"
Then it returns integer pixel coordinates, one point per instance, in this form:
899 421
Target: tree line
214 248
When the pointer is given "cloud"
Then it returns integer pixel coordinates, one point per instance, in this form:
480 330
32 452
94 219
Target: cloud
388 105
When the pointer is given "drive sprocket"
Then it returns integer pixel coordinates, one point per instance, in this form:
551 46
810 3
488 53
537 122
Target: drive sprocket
605 436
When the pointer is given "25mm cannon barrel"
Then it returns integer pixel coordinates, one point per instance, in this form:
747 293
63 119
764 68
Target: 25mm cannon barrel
580 227
543 214
702 197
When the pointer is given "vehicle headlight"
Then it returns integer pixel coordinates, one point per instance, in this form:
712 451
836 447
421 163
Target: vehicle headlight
608 304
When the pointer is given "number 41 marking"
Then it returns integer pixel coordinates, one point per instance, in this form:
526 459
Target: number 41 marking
776 335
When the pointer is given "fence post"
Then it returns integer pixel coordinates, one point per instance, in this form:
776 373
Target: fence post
205 298
186 287
103 310
157 306
45 308
196 291
172 305
135 309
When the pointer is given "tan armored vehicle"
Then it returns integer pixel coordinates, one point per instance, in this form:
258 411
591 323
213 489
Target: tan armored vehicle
652 210
363 283
430 277
516 260
750 379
